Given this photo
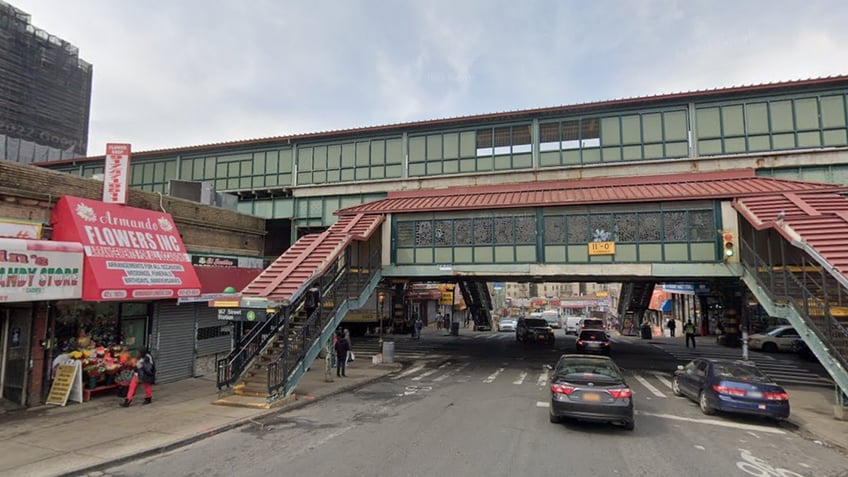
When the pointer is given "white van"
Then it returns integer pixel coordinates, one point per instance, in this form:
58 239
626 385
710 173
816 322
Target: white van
572 325
552 317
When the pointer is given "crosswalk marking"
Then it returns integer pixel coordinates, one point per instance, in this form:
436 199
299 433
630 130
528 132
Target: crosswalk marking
520 378
661 378
424 375
542 379
409 371
656 392
451 373
493 376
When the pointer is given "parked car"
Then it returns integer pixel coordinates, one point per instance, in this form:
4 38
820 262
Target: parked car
590 388
593 341
572 325
532 330
592 324
730 386
779 338
507 323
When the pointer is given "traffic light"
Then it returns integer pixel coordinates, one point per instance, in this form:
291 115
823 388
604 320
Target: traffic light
729 248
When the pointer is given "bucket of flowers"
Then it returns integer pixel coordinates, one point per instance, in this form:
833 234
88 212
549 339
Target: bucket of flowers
91 369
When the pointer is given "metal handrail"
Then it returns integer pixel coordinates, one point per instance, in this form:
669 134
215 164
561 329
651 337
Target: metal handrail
336 287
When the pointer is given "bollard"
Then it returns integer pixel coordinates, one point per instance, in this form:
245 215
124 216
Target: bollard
388 351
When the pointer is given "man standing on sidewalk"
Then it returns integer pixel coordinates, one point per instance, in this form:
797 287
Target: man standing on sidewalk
689 331
672 326
341 348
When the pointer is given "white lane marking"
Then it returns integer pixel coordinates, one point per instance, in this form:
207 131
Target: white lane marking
542 404
542 379
409 371
424 375
451 373
711 422
493 376
520 378
329 437
661 377
656 392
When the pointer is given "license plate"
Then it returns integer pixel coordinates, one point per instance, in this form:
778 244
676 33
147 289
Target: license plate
762 407
755 394
591 397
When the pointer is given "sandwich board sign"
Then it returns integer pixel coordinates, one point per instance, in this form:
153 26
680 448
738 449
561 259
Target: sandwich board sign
67 384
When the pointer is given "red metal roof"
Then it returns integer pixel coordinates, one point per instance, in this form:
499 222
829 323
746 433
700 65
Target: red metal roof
819 218
309 256
671 187
765 88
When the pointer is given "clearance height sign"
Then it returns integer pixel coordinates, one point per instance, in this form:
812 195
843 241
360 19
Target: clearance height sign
130 253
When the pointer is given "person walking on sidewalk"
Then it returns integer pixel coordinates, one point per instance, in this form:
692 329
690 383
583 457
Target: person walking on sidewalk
146 372
689 331
349 356
342 347
418 326
672 326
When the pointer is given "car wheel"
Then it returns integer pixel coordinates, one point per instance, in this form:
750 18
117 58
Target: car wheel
675 387
706 408
629 425
769 347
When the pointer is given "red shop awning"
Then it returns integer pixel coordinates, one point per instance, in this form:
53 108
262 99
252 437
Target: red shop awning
217 279
130 253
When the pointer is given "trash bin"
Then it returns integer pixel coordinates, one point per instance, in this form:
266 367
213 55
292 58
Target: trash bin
454 329
388 351
646 331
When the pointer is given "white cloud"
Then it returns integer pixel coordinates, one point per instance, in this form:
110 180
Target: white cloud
170 74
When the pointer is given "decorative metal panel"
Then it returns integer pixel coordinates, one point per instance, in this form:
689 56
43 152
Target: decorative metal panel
674 224
525 230
444 233
405 234
601 228
462 232
701 225
625 228
483 231
649 227
423 233
578 228
503 231
555 229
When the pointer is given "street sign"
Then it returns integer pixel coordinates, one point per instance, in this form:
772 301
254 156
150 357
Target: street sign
241 314
601 248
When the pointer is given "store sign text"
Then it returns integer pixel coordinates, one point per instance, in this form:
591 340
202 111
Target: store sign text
29 275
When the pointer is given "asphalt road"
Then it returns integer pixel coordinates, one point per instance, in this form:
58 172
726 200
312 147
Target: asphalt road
477 406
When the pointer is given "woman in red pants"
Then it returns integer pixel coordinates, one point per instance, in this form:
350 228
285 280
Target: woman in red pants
146 372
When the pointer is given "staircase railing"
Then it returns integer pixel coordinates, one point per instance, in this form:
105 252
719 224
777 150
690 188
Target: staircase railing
806 289
336 287
231 367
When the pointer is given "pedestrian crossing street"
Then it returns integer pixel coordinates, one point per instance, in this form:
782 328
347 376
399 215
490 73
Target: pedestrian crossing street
783 372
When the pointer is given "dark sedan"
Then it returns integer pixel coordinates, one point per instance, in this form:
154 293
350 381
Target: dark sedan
593 341
730 386
590 388
533 330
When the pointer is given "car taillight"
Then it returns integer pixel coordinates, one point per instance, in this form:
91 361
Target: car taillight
580 342
728 390
620 393
776 396
562 389
606 343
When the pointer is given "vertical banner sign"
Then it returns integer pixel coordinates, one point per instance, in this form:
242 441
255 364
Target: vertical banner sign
116 174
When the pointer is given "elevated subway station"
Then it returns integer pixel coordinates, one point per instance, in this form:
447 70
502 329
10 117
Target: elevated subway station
775 236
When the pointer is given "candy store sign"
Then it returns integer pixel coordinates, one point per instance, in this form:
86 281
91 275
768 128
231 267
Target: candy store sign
32 275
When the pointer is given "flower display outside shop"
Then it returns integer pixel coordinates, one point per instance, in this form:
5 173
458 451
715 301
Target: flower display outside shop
104 366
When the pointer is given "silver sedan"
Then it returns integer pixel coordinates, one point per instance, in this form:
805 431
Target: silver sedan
507 323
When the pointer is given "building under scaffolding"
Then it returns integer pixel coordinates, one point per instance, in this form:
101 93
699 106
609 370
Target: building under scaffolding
45 93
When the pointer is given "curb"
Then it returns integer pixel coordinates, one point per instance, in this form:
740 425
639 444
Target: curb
297 404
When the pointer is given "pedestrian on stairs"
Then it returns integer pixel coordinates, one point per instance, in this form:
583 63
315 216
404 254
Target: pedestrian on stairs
146 372
341 348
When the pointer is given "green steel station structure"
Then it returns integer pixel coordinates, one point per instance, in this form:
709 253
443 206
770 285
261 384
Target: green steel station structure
737 193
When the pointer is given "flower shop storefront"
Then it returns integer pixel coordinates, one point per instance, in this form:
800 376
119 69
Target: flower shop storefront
135 268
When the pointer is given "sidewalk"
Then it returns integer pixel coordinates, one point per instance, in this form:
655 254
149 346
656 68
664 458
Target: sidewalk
812 411
78 438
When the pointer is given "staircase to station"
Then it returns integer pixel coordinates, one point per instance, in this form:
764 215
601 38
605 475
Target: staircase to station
479 300
306 292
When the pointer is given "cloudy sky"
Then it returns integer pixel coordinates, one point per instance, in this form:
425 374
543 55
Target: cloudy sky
188 72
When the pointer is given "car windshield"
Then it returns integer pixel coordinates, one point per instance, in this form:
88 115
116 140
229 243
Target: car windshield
572 370
775 331
593 323
740 373
593 335
536 322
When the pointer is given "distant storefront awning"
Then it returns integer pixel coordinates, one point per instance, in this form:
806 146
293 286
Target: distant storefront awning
666 306
130 253
35 270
